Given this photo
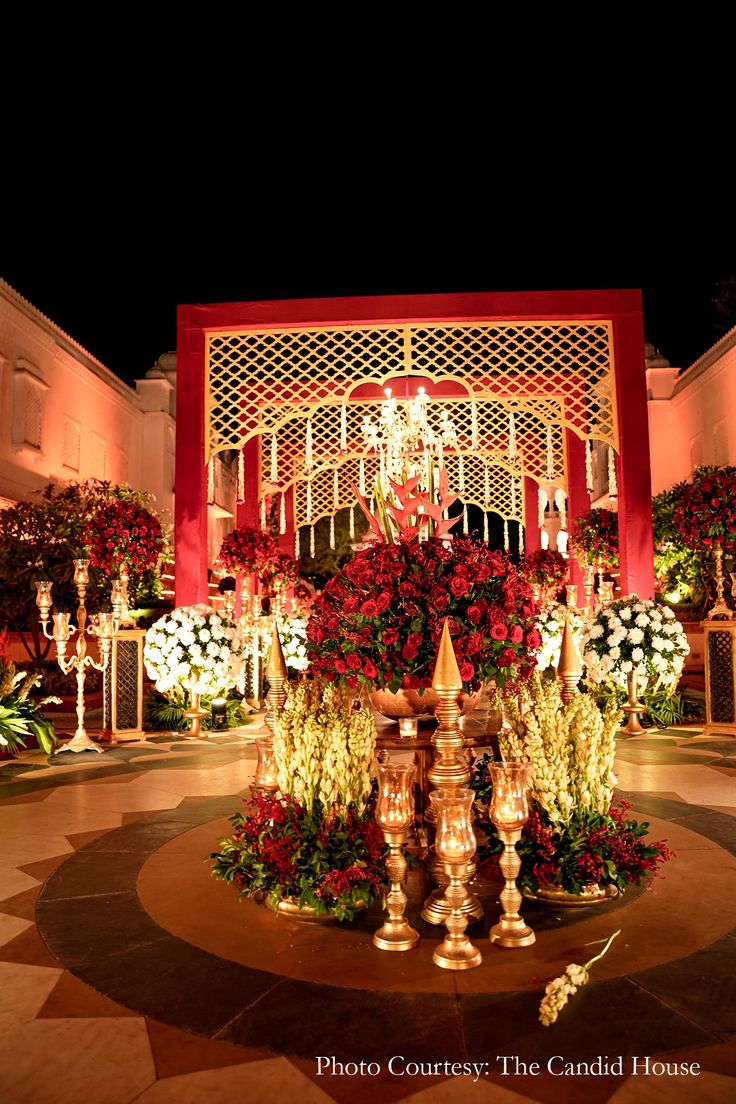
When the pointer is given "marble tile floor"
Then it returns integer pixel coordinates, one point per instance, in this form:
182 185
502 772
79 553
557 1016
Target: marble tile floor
110 993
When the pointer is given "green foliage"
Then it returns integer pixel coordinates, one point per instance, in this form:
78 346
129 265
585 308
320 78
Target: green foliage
663 708
679 570
163 713
20 715
40 539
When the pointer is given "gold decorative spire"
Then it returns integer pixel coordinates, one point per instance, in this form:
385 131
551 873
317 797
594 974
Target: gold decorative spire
570 667
276 666
446 672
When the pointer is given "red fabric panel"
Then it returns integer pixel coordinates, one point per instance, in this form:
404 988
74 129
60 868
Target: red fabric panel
532 535
578 499
190 511
634 475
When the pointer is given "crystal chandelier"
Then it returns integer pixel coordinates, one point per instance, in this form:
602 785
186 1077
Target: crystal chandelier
404 429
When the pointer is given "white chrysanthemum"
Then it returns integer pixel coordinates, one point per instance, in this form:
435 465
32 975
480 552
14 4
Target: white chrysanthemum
606 664
638 607
595 632
637 654
204 635
625 613
669 614
615 652
626 666
635 636
658 643
642 620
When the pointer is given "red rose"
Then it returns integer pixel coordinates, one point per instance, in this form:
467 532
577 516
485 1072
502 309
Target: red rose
467 671
390 636
368 609
410 651
472 644
350 604
506 658
533 638
439 601
369 669
340 666
498 631
383 601
411 682
473 614
354 661
459 586
516 634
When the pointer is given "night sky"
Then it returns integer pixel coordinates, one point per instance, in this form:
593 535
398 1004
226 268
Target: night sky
117 293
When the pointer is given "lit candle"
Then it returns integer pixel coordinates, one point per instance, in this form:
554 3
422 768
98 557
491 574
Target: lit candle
408 726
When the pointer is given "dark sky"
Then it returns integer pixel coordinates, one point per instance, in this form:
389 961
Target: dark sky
116 293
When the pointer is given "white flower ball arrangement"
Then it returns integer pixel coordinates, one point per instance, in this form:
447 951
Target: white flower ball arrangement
551 624
193 648
293 634
635 634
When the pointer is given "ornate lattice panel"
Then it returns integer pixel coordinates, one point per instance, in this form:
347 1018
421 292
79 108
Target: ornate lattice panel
721 676
123 684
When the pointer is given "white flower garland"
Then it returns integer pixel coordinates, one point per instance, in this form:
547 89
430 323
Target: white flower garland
635 634
193 648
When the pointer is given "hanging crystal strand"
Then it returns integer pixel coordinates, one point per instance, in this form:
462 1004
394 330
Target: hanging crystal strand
335 490
297 544
513 497
505 535
485 527
461 473
521 539
361 477
512 437
332 531
274 461
311 541
343 428
241 476
309 500
474 425
210 480
542 502
589 467
263 512
308 449
550 455
561 504
352 523
486 486
282 516
612 484
465 520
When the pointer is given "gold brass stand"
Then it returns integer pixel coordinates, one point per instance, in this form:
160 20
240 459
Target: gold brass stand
456 952
396 934
720 609
569 668
449 771
589 587
510 931
633 707
195 713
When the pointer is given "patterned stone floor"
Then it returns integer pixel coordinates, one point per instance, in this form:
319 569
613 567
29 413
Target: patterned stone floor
128 974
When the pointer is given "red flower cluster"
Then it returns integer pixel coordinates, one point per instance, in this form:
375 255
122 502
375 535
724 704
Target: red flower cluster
379 620
545 568
594 538
124 533
281 573
249 550
705 515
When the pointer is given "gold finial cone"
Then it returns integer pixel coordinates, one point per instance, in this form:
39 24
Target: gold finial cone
276 666
570 662
446 672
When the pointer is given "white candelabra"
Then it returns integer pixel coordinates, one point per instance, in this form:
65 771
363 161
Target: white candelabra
102 625
403 427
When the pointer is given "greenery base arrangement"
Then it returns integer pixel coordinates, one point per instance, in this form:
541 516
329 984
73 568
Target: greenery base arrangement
165 712
315 842
576 835
20 716
664 707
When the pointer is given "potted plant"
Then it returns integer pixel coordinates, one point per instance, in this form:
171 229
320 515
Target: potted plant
312 848
21 718
579 845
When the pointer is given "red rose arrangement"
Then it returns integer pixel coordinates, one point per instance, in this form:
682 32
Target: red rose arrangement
379 620
545 568
281 573
705 514
124 533
249 550
594 537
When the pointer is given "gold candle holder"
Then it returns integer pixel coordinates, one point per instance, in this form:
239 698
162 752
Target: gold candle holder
633 706
509 813
570 667
720 610
589 586
266 777
455 846
571 595
408 727
228 604
195 712
395 816
103 626
605 592
277 675
449 770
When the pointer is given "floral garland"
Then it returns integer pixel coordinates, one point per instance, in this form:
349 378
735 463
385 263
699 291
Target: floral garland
705 513
633 634
594 538
551 625
122 533
545 568
249 550
193 649
379 620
